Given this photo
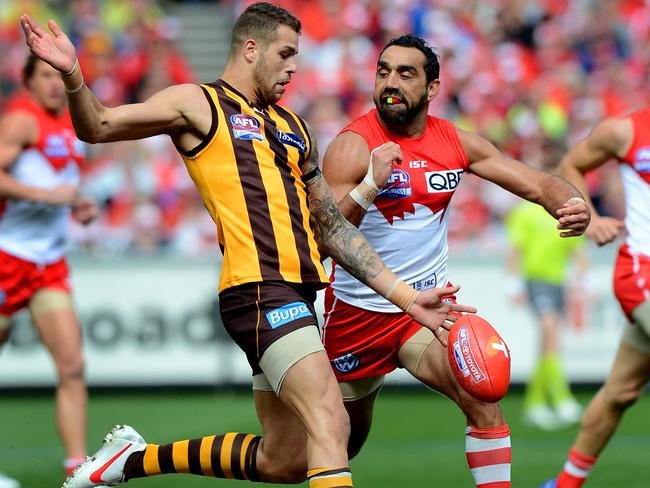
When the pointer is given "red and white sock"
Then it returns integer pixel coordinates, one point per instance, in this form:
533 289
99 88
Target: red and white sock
576 469
72 462
489 455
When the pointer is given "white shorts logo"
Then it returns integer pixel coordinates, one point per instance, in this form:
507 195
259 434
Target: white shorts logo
287 313
346 363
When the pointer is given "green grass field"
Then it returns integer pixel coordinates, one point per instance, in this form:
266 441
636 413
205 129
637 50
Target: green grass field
417 439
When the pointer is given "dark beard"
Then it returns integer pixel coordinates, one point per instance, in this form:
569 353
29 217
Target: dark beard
397 118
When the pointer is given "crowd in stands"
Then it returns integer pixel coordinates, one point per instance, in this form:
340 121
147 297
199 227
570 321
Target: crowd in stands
533 76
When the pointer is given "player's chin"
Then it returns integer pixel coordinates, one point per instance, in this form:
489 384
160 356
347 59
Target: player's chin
278 91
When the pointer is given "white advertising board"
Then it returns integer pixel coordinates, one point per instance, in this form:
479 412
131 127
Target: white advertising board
154 322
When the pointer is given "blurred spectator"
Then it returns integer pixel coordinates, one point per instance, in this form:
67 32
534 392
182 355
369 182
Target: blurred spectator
517 72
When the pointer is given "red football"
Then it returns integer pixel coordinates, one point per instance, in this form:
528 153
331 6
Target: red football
479 358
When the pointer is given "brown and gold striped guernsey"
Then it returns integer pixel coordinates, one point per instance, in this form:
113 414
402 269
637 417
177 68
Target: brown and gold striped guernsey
247 171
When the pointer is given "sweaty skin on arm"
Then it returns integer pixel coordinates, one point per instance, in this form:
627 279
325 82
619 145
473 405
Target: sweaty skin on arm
181 111
347 162
610 139
344 166
545 189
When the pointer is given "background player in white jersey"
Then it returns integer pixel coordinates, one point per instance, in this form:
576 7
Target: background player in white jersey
626 139
402 211
39 174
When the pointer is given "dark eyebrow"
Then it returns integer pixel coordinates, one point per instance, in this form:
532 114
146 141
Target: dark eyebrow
290 49
400 68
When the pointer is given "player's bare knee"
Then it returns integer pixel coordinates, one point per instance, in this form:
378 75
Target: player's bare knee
482 415
332 421
70 368
623 396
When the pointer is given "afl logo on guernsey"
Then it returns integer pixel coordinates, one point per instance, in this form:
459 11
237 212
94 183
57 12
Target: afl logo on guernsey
398 185
246 127
642 160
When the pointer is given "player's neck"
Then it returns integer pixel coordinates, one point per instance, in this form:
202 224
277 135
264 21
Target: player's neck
242 81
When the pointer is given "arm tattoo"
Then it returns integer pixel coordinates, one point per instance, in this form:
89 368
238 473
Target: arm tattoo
344 242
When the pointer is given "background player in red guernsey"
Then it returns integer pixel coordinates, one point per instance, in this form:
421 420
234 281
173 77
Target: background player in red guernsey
626 139
402 211
39 174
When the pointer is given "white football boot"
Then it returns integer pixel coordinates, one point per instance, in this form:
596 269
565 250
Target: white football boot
106 466
569 412
542 417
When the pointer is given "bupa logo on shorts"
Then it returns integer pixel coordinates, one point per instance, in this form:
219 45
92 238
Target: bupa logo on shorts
246 127
346 363
465 358
291 139
398 185
3 297
642 160
443 181
287 313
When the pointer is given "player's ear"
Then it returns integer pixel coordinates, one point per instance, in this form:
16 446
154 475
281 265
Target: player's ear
251 50
432 89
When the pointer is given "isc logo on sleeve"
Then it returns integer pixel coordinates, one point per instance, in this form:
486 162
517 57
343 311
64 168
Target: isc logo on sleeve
287 313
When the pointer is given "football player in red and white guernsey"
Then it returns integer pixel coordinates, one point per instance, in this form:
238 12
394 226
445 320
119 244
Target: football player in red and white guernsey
626 139
39 176
402 211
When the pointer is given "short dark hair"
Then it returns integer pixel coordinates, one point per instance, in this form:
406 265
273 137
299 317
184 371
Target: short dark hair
29 67
431 65
260 21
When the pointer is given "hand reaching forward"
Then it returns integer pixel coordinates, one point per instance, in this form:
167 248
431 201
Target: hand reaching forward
604 229
432 312
573 217
55 48
85 210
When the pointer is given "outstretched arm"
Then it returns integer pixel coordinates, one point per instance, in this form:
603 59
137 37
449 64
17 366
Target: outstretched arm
350 249
171 111
559 198
610 139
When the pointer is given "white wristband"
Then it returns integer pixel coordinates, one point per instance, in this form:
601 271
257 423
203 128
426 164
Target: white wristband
366 191
369 179
358 197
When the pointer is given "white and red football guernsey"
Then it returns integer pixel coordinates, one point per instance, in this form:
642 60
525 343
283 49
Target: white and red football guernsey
33 231
407 222
635 172
632 270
